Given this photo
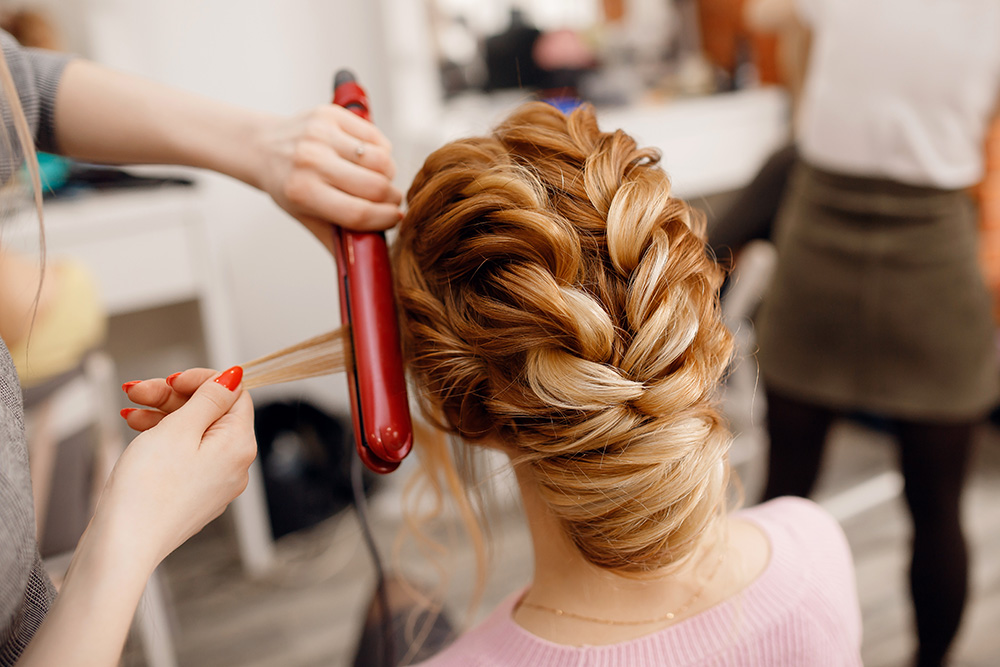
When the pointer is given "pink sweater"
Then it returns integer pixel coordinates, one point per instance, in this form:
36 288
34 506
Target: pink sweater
801 611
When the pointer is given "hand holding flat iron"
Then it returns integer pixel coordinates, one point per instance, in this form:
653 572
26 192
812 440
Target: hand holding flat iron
330 166
325 167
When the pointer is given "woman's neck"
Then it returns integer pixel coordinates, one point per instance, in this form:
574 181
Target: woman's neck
564 580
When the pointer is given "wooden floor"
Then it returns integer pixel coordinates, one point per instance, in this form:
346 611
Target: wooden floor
308 612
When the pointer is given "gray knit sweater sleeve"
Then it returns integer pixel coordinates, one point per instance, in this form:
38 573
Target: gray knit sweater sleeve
25 589
36 75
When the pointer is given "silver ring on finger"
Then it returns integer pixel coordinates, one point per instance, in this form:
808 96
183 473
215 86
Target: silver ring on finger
359 152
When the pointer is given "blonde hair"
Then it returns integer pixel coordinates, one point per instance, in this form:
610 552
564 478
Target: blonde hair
557 300
21 145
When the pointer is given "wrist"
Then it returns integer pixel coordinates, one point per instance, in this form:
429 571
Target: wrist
89 620
109 551
220 137
239 148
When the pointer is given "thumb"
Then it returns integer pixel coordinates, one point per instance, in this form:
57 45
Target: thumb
210 401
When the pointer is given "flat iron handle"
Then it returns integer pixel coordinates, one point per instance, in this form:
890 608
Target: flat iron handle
383 432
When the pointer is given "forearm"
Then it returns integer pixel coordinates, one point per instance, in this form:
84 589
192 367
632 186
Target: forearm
107 116
325 166
89 620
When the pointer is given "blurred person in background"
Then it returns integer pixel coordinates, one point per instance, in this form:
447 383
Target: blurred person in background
782 50
324 167
878 304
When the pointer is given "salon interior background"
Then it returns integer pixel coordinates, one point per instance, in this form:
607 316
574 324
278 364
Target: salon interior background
279 57
420 62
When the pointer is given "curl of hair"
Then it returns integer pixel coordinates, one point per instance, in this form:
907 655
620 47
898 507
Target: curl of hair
558 300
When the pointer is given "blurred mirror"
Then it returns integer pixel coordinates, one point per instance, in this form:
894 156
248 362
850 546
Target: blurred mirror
606 51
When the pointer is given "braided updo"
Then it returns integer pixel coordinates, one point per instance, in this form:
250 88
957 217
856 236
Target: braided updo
556 299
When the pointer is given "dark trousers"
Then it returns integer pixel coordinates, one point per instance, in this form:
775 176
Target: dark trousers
934 458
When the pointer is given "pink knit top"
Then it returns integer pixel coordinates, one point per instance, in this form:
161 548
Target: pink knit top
802 610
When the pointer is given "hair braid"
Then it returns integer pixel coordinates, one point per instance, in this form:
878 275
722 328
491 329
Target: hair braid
558 300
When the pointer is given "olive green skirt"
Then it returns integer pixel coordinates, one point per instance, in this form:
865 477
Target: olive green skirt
878 303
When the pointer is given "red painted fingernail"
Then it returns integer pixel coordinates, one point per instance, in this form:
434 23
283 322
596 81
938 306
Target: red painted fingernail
171 378
126 412
129 385
231 379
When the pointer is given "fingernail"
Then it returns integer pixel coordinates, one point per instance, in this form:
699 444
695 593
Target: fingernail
171 378
126 412
231 379
129 385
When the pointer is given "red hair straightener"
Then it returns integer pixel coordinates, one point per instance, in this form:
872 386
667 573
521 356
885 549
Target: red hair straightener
383 434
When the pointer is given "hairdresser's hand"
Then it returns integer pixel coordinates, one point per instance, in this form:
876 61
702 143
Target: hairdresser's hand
329 166
180 474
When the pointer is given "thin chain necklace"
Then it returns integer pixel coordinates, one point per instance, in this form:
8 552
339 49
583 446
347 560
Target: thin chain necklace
669 616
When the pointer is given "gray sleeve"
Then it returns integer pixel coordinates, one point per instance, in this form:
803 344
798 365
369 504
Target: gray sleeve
36 75
25 590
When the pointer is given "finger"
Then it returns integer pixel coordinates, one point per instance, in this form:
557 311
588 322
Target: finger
151 393
358 127
332 123
187 382
332 205
142 420
314 197
211 401
371 157
353 138
238 420
232 434
168 394
339 171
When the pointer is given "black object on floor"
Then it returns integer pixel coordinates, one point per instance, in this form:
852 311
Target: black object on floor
416 634
305 454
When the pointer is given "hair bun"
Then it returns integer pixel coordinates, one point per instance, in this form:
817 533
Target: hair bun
559 300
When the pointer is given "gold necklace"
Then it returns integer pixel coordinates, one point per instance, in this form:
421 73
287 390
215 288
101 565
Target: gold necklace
669 616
